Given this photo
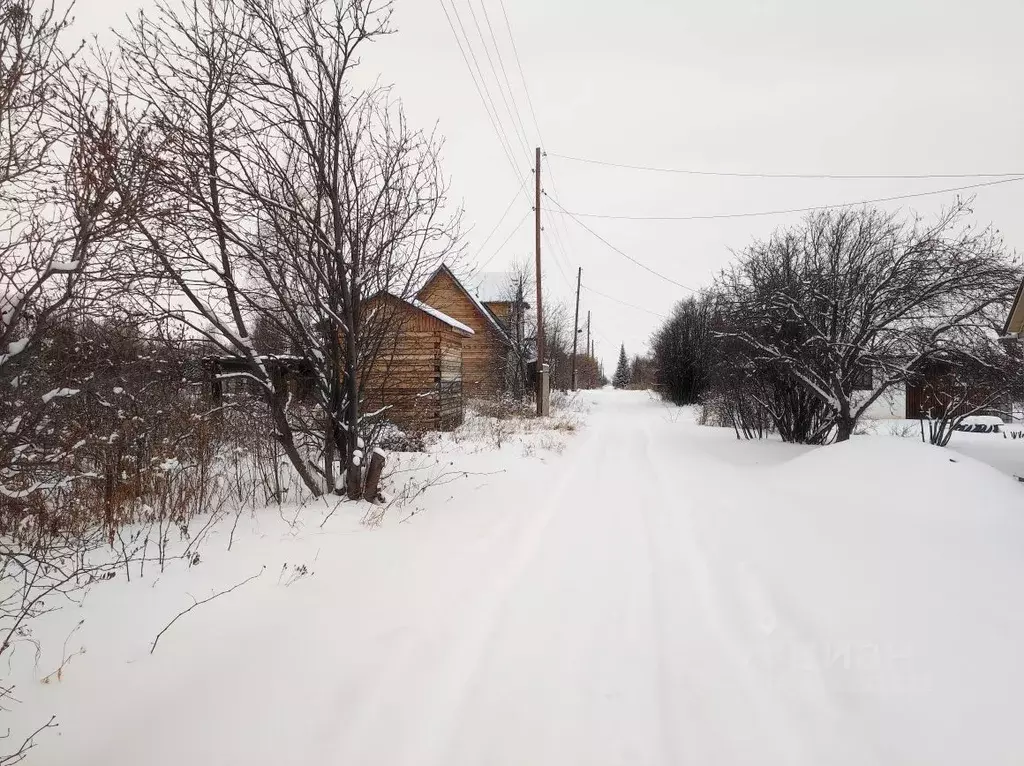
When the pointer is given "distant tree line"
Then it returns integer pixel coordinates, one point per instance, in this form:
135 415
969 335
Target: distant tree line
806 330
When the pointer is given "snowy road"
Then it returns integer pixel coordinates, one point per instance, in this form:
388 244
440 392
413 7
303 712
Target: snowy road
659 594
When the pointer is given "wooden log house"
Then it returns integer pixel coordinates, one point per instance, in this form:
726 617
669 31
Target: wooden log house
485 352
418 373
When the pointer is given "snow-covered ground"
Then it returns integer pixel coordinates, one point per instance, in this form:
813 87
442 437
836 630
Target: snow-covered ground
1003 450
653 593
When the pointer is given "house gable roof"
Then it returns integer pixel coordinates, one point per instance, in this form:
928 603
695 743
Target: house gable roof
455 324
415 303
1015 319
485 312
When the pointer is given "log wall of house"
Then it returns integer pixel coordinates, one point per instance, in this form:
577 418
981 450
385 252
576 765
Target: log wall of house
418 374
502 310
483 354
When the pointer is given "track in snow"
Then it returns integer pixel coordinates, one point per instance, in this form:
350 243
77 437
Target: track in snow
652 596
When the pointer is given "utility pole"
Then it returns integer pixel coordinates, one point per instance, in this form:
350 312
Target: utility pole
542 379
590 351
576 325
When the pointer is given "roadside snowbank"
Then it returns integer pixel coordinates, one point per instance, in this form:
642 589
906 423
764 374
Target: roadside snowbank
881 582
1003 450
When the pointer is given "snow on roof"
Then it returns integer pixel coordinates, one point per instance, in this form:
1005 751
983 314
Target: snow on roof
440 315
443 268
491 286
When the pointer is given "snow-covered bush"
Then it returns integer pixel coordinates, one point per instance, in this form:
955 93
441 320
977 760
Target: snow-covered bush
851 303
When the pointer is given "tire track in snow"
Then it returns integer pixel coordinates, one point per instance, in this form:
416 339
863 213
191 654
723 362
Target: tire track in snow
446 652
567 673
680 557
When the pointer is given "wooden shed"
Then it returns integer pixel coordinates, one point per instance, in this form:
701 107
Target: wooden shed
417 376
936 391
485 352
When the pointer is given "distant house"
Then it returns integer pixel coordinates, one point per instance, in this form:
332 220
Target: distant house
417 377
496 291
231 376
494 319
928 393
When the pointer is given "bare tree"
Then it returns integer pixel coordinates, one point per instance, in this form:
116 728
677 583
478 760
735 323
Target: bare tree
63 135
859 294
521 326
558 327
289 194
183 70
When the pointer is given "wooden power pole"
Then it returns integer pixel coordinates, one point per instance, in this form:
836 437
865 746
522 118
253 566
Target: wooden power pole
541 379
576 325
590 351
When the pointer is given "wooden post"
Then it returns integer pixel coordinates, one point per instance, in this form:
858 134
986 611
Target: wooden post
540 305
354 479
576 325
373 476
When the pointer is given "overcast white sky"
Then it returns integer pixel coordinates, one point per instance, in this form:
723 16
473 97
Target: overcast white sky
789 86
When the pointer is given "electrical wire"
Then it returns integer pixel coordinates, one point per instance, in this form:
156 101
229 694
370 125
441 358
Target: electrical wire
517 122
554 259
628 257
858 203
504 72
555 236
623 303
501 247
500 221
830 176
558 222
483 80
481 89
522 75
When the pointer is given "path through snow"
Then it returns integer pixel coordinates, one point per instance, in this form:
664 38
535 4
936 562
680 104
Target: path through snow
659 594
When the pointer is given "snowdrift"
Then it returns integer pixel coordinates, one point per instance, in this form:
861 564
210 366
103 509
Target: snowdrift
896 470
880 581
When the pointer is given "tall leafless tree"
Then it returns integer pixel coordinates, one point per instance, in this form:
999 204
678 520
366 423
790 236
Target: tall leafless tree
63 135
289 193
861 295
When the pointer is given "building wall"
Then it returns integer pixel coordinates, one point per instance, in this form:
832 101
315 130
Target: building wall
502 310
483 354
418 373
892 405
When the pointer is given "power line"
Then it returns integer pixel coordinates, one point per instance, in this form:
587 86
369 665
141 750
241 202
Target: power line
558 221
831 176
643 266
483 80
791 210
522 75
555 259
500 221
502 245
555 236
517 121
481 91
624 303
